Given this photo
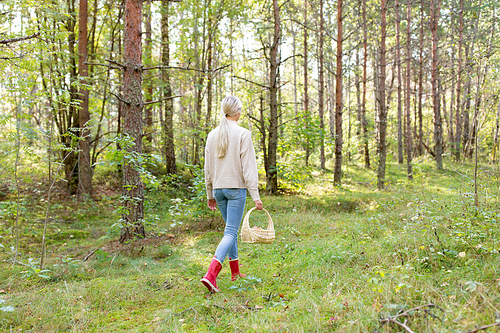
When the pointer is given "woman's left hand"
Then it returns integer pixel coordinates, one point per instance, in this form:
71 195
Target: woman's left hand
212 204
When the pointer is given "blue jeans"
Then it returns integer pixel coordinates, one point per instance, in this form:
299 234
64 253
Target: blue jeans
231 202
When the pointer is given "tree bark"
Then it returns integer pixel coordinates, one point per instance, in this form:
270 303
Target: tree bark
321 82
337 172
382 108
295 99
438 129
364 122
168 128
148 78
420 145
271 172
409 147
68 118
458 119
468 135
84 169
133 190
400 86
306 95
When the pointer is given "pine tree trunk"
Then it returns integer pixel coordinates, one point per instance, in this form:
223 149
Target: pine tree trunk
382 108
168 129
364 122
438 129
321 82
271 172
133 190
306 95
294 61
148 78
210 50
468 135
84 169
400 86
409 147
331 106
458 118
69 115
337 172
420 145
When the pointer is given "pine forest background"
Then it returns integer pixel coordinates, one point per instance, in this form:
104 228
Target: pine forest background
115 98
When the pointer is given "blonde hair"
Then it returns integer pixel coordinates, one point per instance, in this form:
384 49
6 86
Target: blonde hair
230 106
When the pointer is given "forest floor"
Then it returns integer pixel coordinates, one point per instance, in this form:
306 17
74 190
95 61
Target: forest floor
417 257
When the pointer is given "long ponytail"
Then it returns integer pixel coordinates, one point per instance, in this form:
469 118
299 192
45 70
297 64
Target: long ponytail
230 106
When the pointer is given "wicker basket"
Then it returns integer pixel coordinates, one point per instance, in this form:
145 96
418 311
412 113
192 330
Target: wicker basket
251 235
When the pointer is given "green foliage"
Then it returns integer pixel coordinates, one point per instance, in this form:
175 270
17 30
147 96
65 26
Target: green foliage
198 198
33 270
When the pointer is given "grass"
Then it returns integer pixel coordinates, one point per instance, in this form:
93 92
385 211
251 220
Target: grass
344 259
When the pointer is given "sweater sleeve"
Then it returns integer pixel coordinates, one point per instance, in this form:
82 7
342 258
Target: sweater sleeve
208 174
249 166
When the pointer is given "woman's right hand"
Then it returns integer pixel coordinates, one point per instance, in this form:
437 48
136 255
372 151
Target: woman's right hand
259 205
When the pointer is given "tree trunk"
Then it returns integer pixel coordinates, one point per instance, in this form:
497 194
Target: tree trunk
382 109
400 86
210 51
133 190
84 169
409 147
451 122
69 115
337 172
331 105
271 172
376 97
458 118
438 129
168 129
420 145
148 78
364 122
306 95
294 60
321 82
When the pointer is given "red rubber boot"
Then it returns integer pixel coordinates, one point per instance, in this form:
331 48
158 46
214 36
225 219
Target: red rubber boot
209 280
235 269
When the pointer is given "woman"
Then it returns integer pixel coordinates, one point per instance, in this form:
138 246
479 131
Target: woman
230 170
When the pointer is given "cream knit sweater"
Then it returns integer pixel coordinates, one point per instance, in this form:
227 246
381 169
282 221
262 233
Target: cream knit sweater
238 168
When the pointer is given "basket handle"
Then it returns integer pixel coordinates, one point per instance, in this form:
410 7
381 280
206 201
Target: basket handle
270 225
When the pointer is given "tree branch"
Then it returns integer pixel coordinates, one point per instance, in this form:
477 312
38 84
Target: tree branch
393 319
185 69
161 100
119 98
483 328
111 61
252 82
13 40
288 121
104 65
